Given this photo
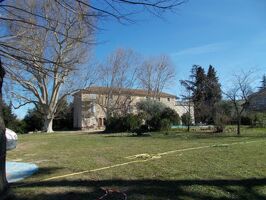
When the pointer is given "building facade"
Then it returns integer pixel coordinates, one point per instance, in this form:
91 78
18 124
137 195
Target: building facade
91 106
257 101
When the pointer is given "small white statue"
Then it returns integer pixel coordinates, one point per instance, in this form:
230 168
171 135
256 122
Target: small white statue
11 139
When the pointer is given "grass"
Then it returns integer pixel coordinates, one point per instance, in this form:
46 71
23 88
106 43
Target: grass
219 172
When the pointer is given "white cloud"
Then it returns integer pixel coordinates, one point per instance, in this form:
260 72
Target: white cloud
204 49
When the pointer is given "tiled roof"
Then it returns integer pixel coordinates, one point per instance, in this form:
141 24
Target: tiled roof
257 101
121 91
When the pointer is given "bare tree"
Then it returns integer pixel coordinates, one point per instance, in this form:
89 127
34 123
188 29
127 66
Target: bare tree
47 84
34 26
187 100
238 94
82 9
121 10
117 74
17 11
156 74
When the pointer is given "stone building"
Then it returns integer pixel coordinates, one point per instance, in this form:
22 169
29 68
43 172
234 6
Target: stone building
91 105
257 101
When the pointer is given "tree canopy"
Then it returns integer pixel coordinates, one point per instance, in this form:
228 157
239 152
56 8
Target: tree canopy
205 92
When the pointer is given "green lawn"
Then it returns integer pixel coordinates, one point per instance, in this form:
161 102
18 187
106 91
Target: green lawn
217 172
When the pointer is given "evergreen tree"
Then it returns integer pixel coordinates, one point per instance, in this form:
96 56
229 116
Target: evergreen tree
213 93
206 92
199 93
64 116
62 121
263 83
187 97
9 117
33 120
11 120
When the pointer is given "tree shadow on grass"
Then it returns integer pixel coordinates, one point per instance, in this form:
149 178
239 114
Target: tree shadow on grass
186 136
220 135
46 171
130 135
147 189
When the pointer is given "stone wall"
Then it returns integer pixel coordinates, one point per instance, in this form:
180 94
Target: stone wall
257 101
90 112
77 111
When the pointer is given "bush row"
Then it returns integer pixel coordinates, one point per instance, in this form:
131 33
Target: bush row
152 116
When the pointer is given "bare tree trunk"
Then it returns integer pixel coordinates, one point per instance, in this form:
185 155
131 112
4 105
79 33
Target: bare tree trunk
189 111
238 125
48 124
3 181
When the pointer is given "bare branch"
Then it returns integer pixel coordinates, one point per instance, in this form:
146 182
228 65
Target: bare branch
156 74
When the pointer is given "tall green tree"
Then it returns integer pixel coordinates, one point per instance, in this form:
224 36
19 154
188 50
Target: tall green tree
9 116
64 117
33 120
205 92
199 93
263 83
187 102
11 120
213 93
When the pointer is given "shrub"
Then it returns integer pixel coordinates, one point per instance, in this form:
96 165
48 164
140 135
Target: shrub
113 124
258 119
186 119
64 118
129 123
157 116
154 123
172 115
142 129
165 124
159 123
150 108
246 120
132 122
33 120
222 115
220 121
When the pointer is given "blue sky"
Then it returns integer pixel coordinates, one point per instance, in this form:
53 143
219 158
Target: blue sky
228 34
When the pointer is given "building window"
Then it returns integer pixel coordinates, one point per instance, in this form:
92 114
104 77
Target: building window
168 99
